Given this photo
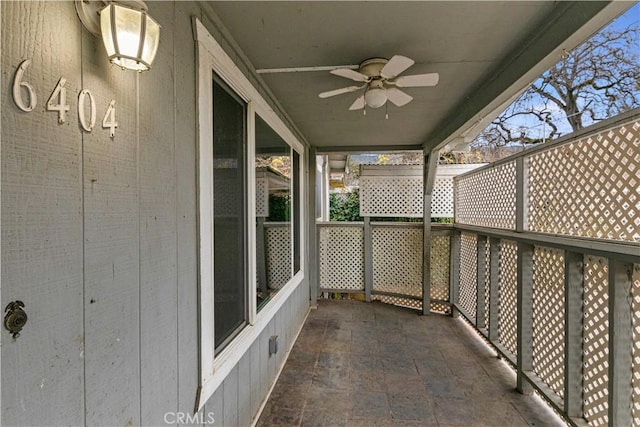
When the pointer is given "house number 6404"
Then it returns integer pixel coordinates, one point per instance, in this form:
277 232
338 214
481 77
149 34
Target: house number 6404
25 98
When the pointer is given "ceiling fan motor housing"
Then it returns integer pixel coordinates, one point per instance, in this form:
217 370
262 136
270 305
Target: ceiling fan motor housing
371 67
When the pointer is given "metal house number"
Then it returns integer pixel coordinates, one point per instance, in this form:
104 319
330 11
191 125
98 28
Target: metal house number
25 98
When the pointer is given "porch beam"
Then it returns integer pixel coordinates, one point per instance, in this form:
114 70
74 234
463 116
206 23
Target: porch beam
620 343
573 294
429 167
358 149
524 358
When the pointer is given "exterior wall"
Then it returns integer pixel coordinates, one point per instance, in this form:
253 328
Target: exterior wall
99 235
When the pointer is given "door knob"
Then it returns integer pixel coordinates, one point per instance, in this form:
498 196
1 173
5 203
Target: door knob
15 318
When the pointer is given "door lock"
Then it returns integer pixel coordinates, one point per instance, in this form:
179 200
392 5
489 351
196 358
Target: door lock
15 318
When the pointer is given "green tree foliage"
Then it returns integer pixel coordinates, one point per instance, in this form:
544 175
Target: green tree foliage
279 207
344 206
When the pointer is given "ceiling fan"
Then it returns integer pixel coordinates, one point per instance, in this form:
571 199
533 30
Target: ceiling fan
381 82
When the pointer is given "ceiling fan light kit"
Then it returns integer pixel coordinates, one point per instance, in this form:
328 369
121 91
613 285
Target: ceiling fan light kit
378 74
375 95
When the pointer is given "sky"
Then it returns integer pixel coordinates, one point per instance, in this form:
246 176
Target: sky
537 129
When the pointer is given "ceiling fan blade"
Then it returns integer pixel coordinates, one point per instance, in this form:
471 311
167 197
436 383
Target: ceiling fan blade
358 103
419 80
350 74
398 97
395 66
339 91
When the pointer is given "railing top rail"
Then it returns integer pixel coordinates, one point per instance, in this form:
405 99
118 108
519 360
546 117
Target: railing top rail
434 226
627 251
340 224
596 128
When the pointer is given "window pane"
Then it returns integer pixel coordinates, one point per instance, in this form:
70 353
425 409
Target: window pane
229 222
273 212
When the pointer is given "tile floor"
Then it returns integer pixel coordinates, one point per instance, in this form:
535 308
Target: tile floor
359 364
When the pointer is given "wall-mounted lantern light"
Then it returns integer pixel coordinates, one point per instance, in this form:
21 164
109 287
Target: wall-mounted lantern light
130 36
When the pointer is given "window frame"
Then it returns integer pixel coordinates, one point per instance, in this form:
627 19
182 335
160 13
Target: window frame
211 58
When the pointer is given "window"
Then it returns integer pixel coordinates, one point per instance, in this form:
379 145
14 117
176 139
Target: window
274 181
236 129
229 213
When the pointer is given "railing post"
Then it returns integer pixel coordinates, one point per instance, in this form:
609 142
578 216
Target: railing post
573 294
521 194
525 316
368 259
454 272
429 168
494 283
620 343
481 263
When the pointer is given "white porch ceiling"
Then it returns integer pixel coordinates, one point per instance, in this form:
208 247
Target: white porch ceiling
485 52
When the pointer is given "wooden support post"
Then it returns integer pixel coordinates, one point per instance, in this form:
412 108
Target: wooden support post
573 294
368 259
429 168
481 277
524 359
312 233
620 343
454 272
494 282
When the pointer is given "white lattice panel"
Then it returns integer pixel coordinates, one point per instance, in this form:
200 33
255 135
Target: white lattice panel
342 258
397 260
388 196
487 198
507 290
468 273
596 340
442 198
635 293
440 247
588 188
399 301
548 317
227 200
262 197
278 253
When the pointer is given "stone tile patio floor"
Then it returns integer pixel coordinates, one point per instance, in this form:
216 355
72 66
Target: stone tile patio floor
360 364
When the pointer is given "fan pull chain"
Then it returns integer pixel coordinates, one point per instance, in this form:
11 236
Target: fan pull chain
386 110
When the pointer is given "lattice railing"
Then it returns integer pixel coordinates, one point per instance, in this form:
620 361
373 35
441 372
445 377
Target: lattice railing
341 257
395 262
468 279
596 340
548 317
507 297
278 254
561 294
487 197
